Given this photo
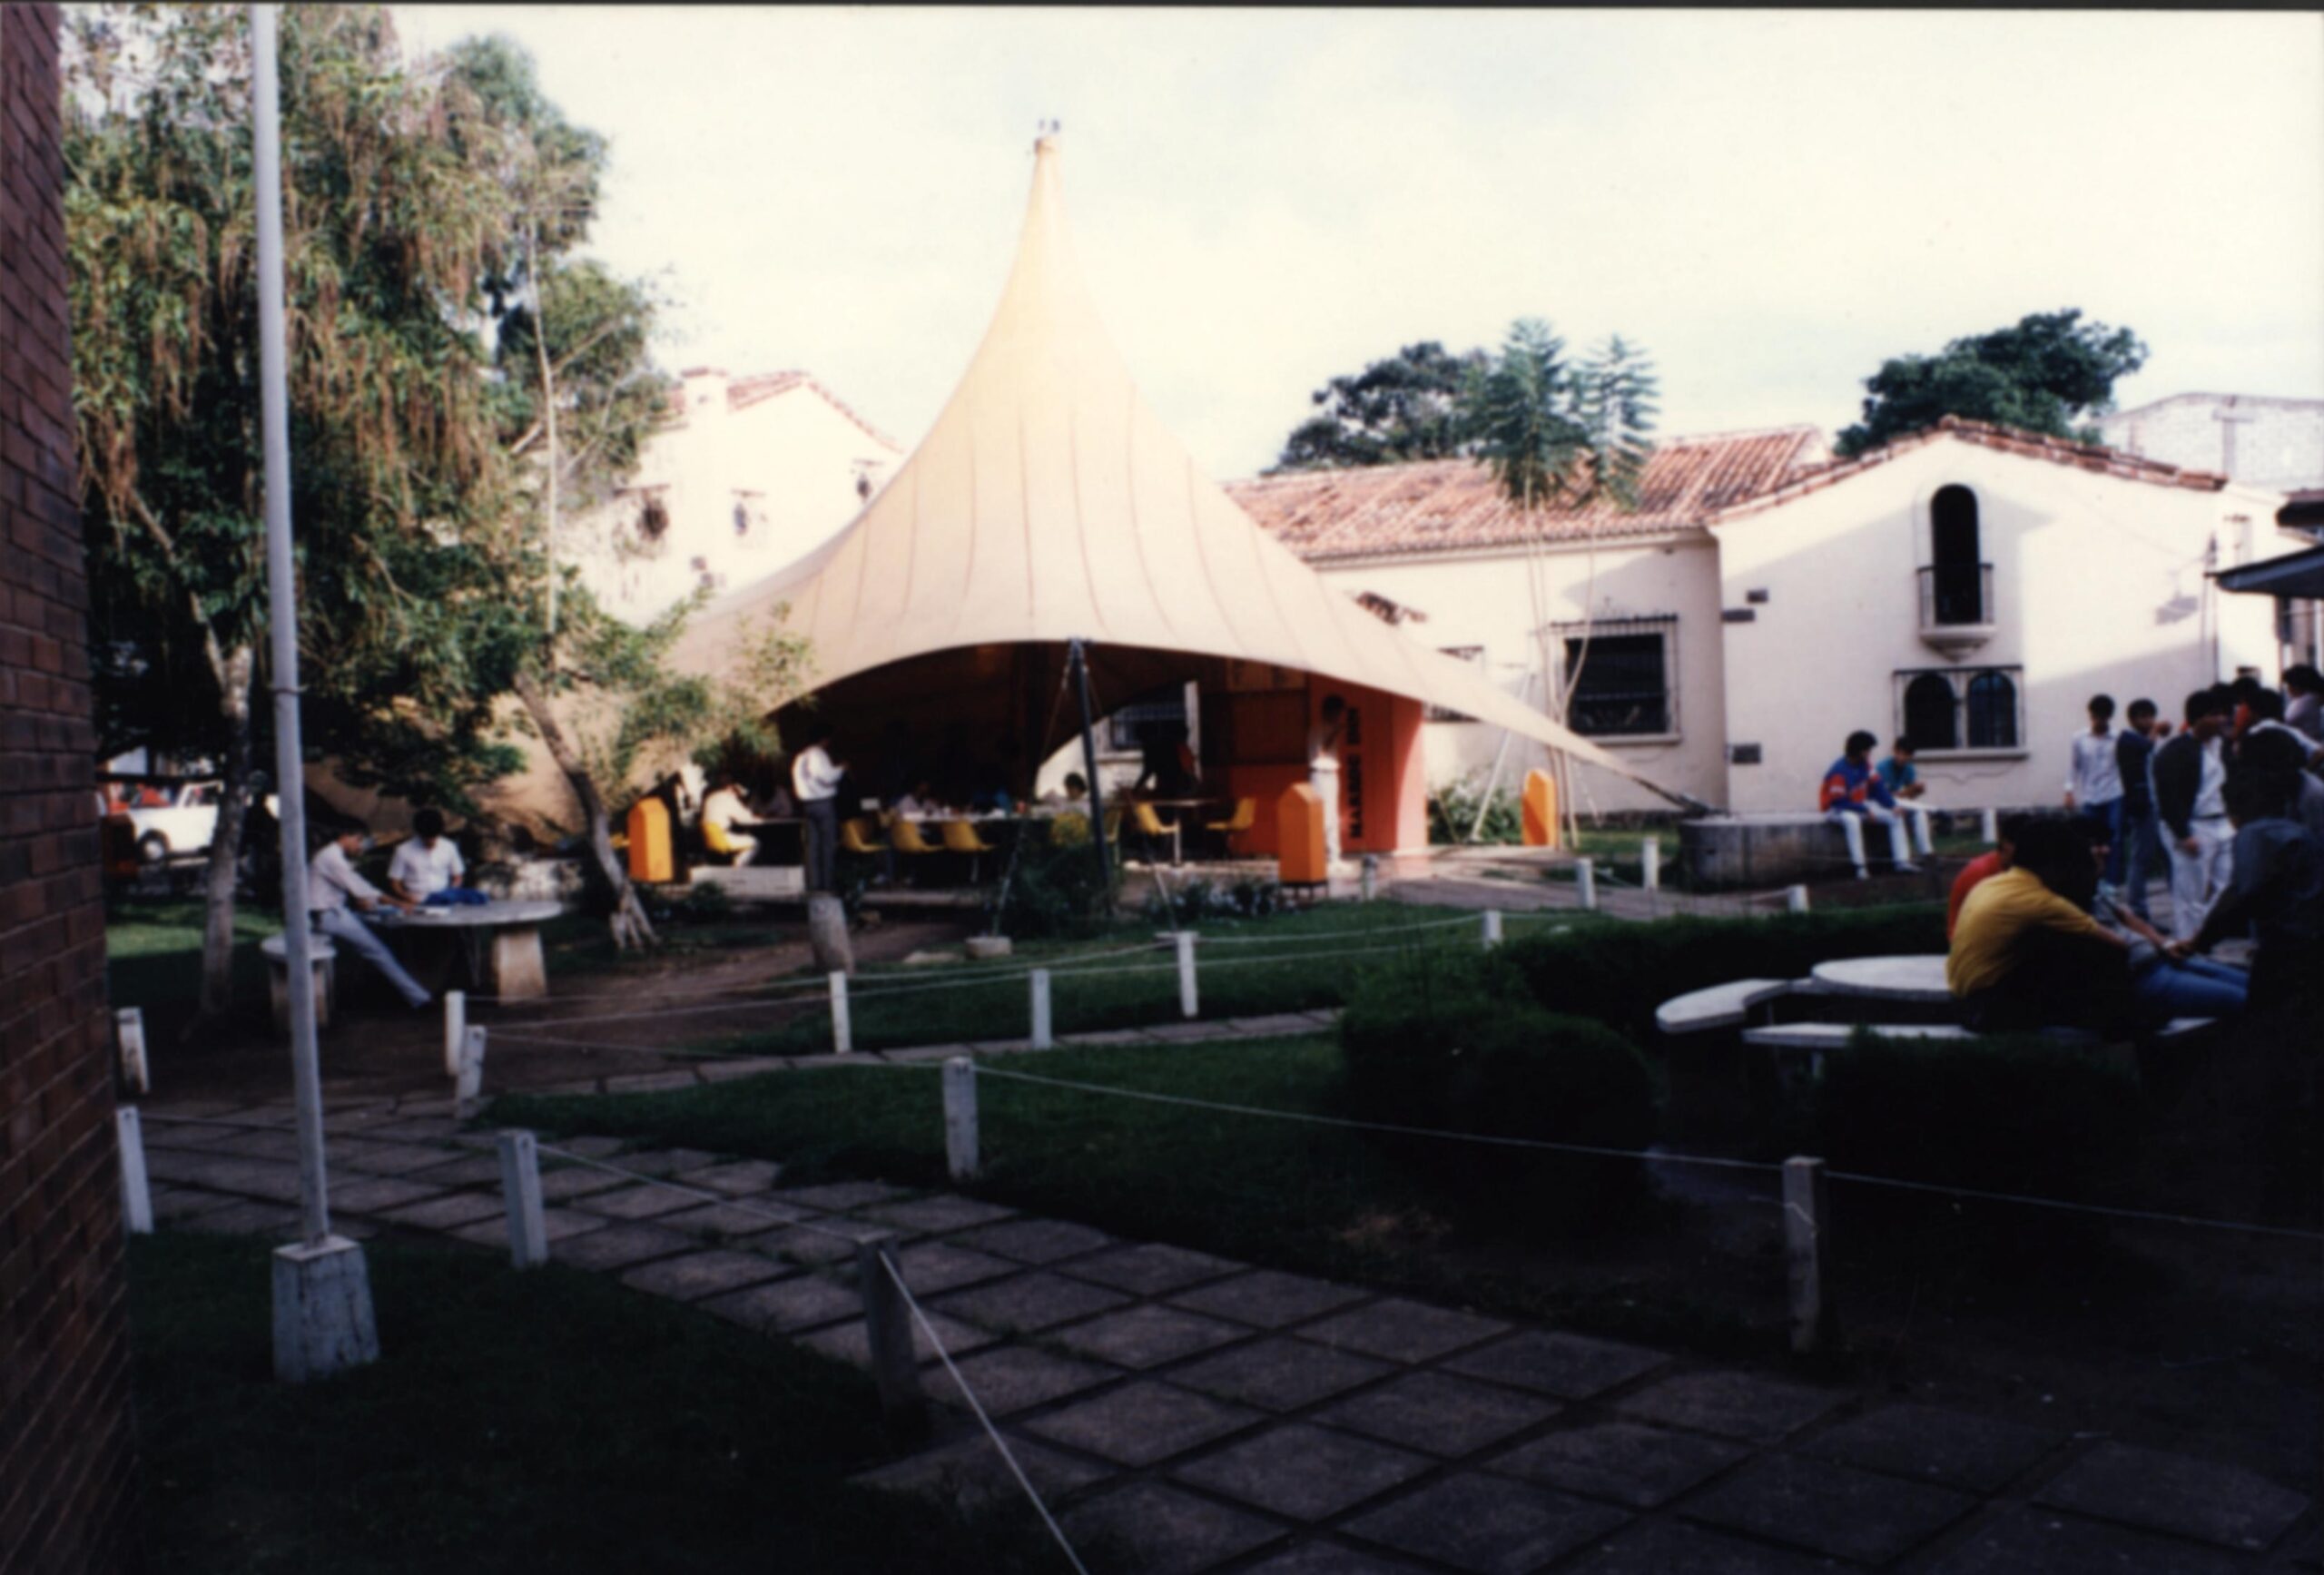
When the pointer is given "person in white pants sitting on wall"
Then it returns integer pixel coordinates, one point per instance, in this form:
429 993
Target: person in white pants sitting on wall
1902 778
1853 793
337 897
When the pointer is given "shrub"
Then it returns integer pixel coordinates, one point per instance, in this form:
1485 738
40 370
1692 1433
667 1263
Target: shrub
1052 892
1197 900
1452 810
1618 974
1453 1044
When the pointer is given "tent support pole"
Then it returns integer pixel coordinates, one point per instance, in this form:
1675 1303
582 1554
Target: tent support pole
1080 661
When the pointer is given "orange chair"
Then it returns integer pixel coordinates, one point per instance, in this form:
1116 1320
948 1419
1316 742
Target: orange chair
1246 816
854 837
905 837
961 837
1149 827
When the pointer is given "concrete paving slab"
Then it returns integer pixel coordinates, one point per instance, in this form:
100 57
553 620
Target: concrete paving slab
1928 1443
1832 1510
733 1221
943 1212
1675 1548
1106 1037
1143 1424
840 1196
574 1181
592 1147
1637 1467
1551 1361
447 1211
467 1170
642 1200
821 1241
736 1178
971 1475
377 1194
174 1203
1157 1529
1272 1025
619 1247
786 1306
728 1071
676 1163
1403 1331
1745 1405
562 1224
1440 1413
652 1082
2220 1504
851 1344
245 1217
1321 1558
1280 1373
1013 1378
931 1268
2026 1539
1148 1336
691 1277
1486 1525
1150 1269
1303 1472
1029 1303
1268 1298
1035 1241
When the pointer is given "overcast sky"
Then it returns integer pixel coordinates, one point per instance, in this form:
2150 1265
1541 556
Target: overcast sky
1770 202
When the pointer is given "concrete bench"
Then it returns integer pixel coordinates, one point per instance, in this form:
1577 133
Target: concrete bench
1722 1005
1769 849
753 883
321 956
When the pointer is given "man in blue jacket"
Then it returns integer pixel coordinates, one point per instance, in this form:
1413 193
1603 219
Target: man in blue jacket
1853 793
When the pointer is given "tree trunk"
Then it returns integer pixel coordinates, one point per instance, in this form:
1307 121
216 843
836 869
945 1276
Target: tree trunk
630 928
234 671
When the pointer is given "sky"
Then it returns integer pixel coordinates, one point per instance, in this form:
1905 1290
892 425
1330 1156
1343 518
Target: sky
1771 202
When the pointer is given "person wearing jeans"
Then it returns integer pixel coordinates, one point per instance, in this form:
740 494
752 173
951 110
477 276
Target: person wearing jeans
814 786
2141 837
1853 793
338 896
2094 782
2190 775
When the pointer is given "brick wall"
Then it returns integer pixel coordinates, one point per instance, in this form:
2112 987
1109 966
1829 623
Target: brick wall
65 1445
2277 442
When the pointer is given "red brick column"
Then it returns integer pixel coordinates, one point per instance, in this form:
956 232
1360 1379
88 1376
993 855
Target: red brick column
65 1438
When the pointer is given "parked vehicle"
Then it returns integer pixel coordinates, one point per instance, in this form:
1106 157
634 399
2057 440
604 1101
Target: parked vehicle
178 830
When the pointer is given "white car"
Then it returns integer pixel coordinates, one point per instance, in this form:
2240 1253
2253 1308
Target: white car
176 830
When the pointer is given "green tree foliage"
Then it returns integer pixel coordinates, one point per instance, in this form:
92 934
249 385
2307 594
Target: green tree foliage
2044 375
1405 407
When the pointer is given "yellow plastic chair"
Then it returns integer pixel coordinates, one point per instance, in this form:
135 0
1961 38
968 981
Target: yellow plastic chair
1151 827
854 837
1246 816
961 837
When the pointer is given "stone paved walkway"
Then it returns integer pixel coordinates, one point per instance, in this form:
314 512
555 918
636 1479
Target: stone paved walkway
1187 1413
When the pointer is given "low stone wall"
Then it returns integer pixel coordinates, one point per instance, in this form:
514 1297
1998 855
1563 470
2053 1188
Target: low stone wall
1723 852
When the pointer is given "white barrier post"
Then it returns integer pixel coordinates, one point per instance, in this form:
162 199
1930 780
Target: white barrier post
1585 875
1044 1034
1989 826
1794 899
471 1073
130 1023
520 1186
1371 875
1190 1002
842 1032
456 1030
1806 1221
136 1192
887 1329
1650 854
960 1117
1493 927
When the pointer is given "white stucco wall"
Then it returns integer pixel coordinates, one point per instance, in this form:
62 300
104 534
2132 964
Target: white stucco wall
795 450
1485 599
2098 585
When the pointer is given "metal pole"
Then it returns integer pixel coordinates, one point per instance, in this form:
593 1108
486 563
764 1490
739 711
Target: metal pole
283 615
1089 761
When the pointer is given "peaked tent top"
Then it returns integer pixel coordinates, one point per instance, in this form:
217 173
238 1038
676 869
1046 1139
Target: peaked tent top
1048 503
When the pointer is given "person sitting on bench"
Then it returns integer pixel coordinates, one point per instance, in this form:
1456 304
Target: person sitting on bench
2276 892
1853 793
337 897
722 812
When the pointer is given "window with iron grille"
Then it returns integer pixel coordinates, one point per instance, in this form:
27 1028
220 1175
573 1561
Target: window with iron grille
1622 670
1126 728
1960 708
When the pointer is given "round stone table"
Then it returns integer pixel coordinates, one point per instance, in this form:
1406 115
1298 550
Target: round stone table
1910 979
503 941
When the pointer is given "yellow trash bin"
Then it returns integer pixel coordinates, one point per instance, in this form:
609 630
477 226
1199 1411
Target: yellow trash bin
652 859
1299 830
1540 810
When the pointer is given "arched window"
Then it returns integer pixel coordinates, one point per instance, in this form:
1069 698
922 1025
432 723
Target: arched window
1992 712
1956 569
1929 718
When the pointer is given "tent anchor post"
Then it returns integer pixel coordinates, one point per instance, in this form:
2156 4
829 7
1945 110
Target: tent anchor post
1080 661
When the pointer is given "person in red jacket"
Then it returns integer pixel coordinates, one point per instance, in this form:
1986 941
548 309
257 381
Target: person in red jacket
1983 867
1853 793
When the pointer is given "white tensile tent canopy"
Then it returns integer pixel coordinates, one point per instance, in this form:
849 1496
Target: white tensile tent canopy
1048 504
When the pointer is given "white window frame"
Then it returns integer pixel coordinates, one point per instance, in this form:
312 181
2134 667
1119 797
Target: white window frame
1960 678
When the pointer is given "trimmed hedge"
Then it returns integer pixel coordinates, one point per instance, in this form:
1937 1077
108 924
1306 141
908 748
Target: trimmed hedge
1618 973
1452 1043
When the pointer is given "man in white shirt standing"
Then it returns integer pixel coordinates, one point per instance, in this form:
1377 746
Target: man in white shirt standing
337 895
2094 782
1323 771
814 781
426 862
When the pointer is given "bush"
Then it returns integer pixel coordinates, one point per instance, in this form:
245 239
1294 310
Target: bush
1453 1044
1052 893
1452 810
1198 900
1618 973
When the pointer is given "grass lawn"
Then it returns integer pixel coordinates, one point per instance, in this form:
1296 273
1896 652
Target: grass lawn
153 957
1248 967
546 1420
1320 1200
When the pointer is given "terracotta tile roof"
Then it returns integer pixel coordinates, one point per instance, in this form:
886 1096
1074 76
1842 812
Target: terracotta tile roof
741 393
2090 456
1457 505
